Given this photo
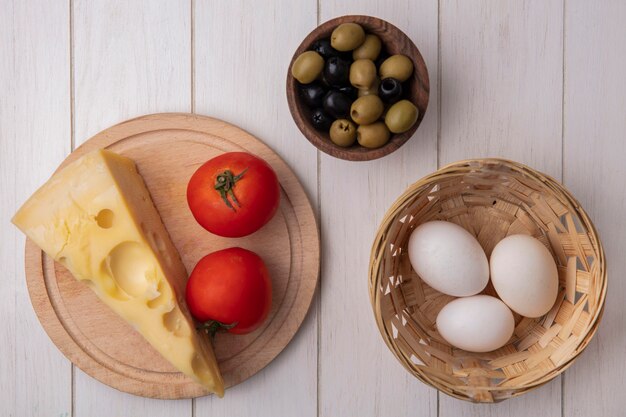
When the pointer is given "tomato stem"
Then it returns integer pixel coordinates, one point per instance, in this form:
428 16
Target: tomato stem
213 326
224 185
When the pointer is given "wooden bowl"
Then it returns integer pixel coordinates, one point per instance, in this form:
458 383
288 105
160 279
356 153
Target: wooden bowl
491 198
394 42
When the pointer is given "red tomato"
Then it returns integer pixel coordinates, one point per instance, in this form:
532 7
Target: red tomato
234 194
231 287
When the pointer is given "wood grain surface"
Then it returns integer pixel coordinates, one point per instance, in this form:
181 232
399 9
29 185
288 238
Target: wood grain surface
35 378
501 79
593 168
394 42
517 79
167 149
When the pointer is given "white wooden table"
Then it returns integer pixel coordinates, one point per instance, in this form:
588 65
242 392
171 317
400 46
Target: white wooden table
540 82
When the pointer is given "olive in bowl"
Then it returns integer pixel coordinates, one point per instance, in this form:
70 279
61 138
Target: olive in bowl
324 48
397 66
390 90
369 49
380 42
362 73
367 109
321 120
337 71
312 94
337 104
307 67
373 136
347 36
401 116
343 132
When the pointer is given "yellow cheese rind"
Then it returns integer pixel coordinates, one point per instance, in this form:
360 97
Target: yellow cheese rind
96 218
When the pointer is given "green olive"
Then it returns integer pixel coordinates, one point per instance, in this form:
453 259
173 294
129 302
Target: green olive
399 67
372 136
343 132
347 36
366 109
401 116
307 67
362 73
373 90
369 49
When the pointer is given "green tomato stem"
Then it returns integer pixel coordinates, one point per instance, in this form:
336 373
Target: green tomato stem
225 183
213 326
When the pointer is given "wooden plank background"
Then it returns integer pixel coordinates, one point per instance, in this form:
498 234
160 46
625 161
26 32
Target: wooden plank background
541 82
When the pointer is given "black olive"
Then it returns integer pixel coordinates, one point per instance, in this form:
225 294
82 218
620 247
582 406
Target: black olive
390 90
337 104
321 120
312 94
349 91
337 72
323 48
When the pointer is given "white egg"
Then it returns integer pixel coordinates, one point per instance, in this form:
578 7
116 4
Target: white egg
448 258
524 275
480 323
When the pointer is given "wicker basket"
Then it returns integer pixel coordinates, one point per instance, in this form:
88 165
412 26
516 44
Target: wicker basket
491 198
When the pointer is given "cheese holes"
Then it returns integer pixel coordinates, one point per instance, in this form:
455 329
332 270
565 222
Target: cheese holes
175 322
105 218
132 268
163 298
200 368
106 284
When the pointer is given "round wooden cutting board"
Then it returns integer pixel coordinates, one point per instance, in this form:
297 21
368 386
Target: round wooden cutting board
167 149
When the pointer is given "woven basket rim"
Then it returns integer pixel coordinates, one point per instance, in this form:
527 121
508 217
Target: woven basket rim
449 170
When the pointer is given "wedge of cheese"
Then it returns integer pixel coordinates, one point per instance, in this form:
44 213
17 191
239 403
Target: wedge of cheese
96 217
